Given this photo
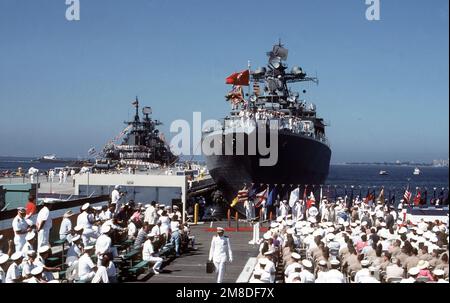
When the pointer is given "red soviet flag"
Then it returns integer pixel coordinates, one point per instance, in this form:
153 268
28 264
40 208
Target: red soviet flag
242 78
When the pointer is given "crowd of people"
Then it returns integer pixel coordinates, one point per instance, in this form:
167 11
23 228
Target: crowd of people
94 240
369 243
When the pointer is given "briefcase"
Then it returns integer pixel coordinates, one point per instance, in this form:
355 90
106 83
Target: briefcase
210 267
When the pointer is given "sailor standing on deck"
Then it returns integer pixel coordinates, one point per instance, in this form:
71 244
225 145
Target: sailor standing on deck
60 175
115 198
44 224
220 252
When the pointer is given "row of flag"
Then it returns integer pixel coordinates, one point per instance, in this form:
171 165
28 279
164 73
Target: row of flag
266 195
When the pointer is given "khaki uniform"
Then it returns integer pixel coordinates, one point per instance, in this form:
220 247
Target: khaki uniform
411 262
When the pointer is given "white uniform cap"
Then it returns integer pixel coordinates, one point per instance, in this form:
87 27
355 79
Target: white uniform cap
435 229
330 224
340 221
280 219
76 238
334 262
16 256
85 206
43 249
220 229
3 258
414 271
30 236
89 247
290 231
106 228
330 229
307 263
383 224
150 235
312 220
402 230
438 272
363 223
266 236
353 224
295 256
37 270
423 264
262 261
117 187
274 225
289 222
419 232
147 205
31 252
322 263
365 263
345 224
330 236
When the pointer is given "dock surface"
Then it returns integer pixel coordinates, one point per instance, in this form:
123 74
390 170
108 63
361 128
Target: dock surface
191 267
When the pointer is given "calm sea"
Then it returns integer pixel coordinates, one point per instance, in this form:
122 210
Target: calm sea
342 176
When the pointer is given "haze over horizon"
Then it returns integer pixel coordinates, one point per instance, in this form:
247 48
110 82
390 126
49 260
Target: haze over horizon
68 86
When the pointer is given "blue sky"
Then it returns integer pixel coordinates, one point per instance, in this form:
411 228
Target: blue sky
67 86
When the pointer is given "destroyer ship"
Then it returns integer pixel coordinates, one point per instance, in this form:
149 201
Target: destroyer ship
143 146
303 149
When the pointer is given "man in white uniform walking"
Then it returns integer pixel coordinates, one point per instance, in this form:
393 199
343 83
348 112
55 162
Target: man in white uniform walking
44 224
220 252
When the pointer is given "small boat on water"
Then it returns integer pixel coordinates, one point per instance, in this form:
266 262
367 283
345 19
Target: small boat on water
383 173
416 171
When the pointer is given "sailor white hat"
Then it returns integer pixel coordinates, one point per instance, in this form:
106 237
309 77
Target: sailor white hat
438 272
85 206
290 231
267 236
117 187
419 231
340 221
330 229
30 235
68 213
330 236
37 270
334 262
262 261
413 271
365 263
345 224
147 205
89 247
289 222
106 228
322 263
219 229
31 252
21 209
402 230
3 258
329 224
312 220
295 256
307 263
151 234
274 225
279 219
383 224
76 238
43 249
16 256
363 223
353 224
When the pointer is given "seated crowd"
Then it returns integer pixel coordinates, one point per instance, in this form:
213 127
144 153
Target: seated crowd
102 247
369 243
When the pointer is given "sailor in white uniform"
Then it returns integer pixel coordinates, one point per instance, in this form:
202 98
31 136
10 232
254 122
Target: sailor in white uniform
220 252
20 228
115 198
44 224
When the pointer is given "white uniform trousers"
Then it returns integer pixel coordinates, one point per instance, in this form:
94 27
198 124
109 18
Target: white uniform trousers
220 270
43 236
158 262
19 242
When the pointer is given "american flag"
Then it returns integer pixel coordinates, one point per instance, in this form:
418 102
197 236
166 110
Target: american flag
261 197
242 196
407 196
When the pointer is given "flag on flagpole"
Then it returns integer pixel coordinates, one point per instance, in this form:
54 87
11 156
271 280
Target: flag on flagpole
310 201
417 198
407 196
381 195
272 196
241 197
261 198
241 78
294 196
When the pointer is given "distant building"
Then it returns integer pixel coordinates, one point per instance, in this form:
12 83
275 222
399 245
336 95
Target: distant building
440 163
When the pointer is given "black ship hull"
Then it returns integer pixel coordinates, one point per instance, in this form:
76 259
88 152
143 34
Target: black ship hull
301 160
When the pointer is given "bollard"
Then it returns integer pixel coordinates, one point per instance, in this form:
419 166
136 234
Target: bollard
229 217
237 221
196 213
